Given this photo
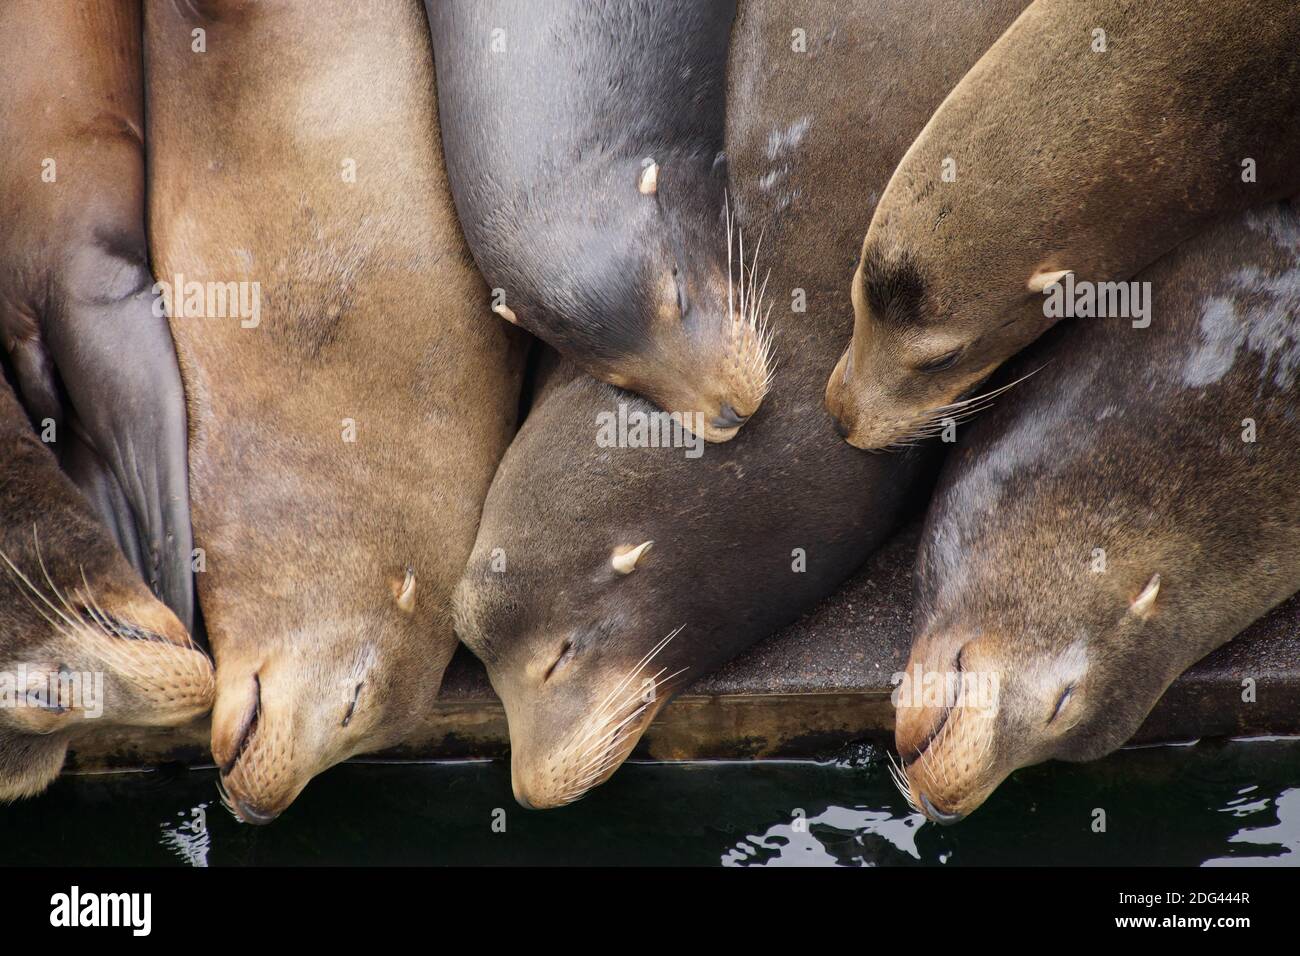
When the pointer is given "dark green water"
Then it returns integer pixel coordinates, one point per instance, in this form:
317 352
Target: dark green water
1234 802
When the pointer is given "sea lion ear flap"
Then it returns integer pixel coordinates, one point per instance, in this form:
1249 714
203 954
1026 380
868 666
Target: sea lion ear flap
406 593
1144 604
647 183
624 559
1041 279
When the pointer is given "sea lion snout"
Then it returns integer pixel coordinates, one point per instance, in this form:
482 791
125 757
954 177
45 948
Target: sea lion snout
286 713
947 726
267 737
728 418
572 726
84 646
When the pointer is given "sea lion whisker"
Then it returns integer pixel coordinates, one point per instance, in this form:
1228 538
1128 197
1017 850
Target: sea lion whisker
72 616
27 585
40 594
94 610
606 733
650 655
608 741
934 420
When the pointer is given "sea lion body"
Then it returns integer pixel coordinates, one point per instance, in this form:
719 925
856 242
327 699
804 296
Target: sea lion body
1113 519
1064 149
583 143
83 643
586 635
89 352
343 442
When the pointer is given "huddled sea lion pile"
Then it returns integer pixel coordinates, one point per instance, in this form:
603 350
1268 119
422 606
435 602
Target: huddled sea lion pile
336 331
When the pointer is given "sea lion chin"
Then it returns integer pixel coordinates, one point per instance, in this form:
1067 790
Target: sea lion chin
84 646
584 149
1092 138
1083 549
344 437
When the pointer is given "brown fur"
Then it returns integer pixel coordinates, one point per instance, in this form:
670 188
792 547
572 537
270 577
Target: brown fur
1131 443
568 642
75 289
371 311
1066 159
70 602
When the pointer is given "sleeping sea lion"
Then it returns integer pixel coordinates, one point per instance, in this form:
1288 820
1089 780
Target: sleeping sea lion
345 427
81 330
1091 139
83 644
584 143
1109 524
607 576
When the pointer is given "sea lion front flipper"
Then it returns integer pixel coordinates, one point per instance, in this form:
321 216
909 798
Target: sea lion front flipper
109 339
92 476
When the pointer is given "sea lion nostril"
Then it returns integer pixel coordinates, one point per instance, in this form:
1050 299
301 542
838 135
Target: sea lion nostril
728 417
840 428
937 815
248 813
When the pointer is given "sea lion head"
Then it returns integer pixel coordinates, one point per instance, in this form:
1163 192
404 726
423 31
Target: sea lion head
922 346
579 676
85 645
320 657
649 294
980 701
565 596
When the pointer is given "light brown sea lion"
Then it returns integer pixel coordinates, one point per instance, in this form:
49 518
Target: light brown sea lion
83 644
607 576
1064 150
80 329
1107 526
342 443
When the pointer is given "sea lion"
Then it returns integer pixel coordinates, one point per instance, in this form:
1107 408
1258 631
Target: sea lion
1109 524
342 445
1091 139
606 578
83 644
583 143
80 329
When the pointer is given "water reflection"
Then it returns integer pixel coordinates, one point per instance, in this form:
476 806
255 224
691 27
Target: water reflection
189 839
1223 803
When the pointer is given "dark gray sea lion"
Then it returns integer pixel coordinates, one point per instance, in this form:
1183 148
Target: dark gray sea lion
85 344
1091 139
583 142
83 644
605 578
1112 521
344 440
